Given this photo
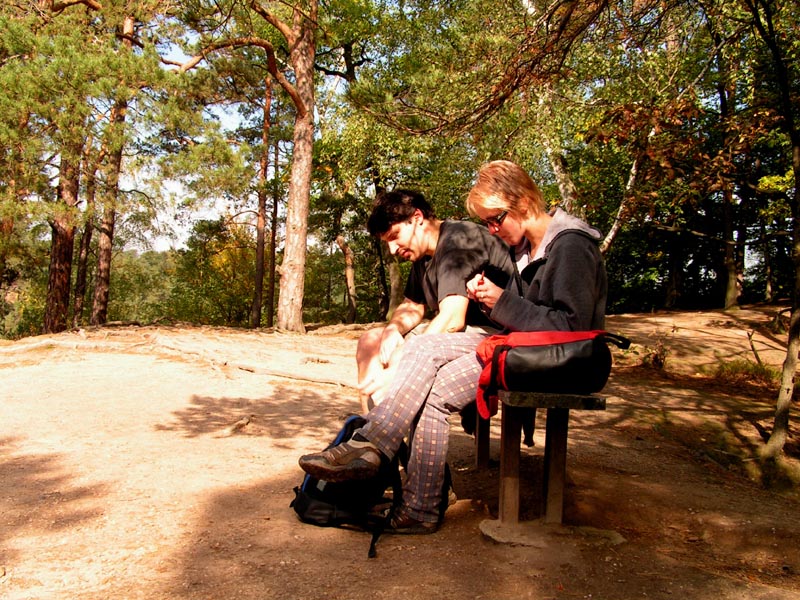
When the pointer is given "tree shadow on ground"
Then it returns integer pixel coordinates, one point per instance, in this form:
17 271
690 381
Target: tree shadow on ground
729 423
38 496
281 414
249 544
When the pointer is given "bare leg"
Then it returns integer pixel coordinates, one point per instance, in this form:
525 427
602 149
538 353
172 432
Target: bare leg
368 362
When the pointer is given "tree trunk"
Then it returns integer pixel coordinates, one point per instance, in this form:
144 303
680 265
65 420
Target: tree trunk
675 277
62 227
727 100
765 27
105 243
766 252
58 284
396 285
566 187
261 220
349 278
79 295
102 281
85 245
731 264
621 215
273 238
548 124
780 428
290 295
622 211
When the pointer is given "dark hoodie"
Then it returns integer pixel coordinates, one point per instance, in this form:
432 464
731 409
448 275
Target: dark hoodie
564 287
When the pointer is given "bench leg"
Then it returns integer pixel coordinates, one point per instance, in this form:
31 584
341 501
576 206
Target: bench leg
482 441
511 427
555 463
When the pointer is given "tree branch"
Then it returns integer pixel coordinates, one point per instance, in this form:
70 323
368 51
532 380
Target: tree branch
270 18
64 4
272 64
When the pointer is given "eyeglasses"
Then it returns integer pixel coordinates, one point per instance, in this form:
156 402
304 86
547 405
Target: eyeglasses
497 220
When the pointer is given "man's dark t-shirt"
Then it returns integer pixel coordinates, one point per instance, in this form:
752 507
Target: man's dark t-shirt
463 250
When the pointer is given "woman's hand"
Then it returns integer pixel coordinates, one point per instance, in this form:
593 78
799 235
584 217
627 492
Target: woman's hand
484 291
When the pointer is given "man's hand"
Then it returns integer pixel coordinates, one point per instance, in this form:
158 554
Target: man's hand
376 385
391 340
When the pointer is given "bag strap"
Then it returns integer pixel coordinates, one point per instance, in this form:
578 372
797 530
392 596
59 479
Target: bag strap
618 340
397 497
495 372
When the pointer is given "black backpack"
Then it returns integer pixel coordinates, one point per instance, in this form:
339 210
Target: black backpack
366 504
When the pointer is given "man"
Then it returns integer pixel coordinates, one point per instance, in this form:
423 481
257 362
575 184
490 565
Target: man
446 254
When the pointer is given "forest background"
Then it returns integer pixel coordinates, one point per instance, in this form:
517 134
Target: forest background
670 125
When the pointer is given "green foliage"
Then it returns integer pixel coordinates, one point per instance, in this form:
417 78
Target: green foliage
23 309
213 276
141 285
325 300
23 288
658 109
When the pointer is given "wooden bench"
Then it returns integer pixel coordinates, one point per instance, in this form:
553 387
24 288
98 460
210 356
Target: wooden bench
516 405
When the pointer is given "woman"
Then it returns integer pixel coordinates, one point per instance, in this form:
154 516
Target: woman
562 288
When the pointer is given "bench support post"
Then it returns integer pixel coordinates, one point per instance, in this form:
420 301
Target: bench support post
515 406
511 423
555 463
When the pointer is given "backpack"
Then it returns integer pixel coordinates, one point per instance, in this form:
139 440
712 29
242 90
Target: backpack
366 504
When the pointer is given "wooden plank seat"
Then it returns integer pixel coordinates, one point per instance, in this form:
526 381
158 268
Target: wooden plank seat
515 407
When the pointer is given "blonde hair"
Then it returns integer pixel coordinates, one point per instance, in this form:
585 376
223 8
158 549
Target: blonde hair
504 185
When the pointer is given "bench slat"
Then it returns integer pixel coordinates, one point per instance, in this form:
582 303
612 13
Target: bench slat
546 400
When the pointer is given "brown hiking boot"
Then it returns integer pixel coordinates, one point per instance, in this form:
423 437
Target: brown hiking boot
349 460
403 524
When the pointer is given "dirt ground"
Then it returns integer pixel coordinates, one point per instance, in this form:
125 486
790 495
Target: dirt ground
159 462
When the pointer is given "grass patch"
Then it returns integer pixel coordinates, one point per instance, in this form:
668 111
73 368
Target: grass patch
745 371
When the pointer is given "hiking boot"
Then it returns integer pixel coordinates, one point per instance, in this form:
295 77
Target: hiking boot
349 460
402 524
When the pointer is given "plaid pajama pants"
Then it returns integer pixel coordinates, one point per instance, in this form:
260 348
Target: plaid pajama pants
436 377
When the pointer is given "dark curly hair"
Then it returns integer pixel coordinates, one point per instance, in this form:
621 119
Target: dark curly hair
395 207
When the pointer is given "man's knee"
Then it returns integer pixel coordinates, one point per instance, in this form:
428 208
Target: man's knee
369 344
